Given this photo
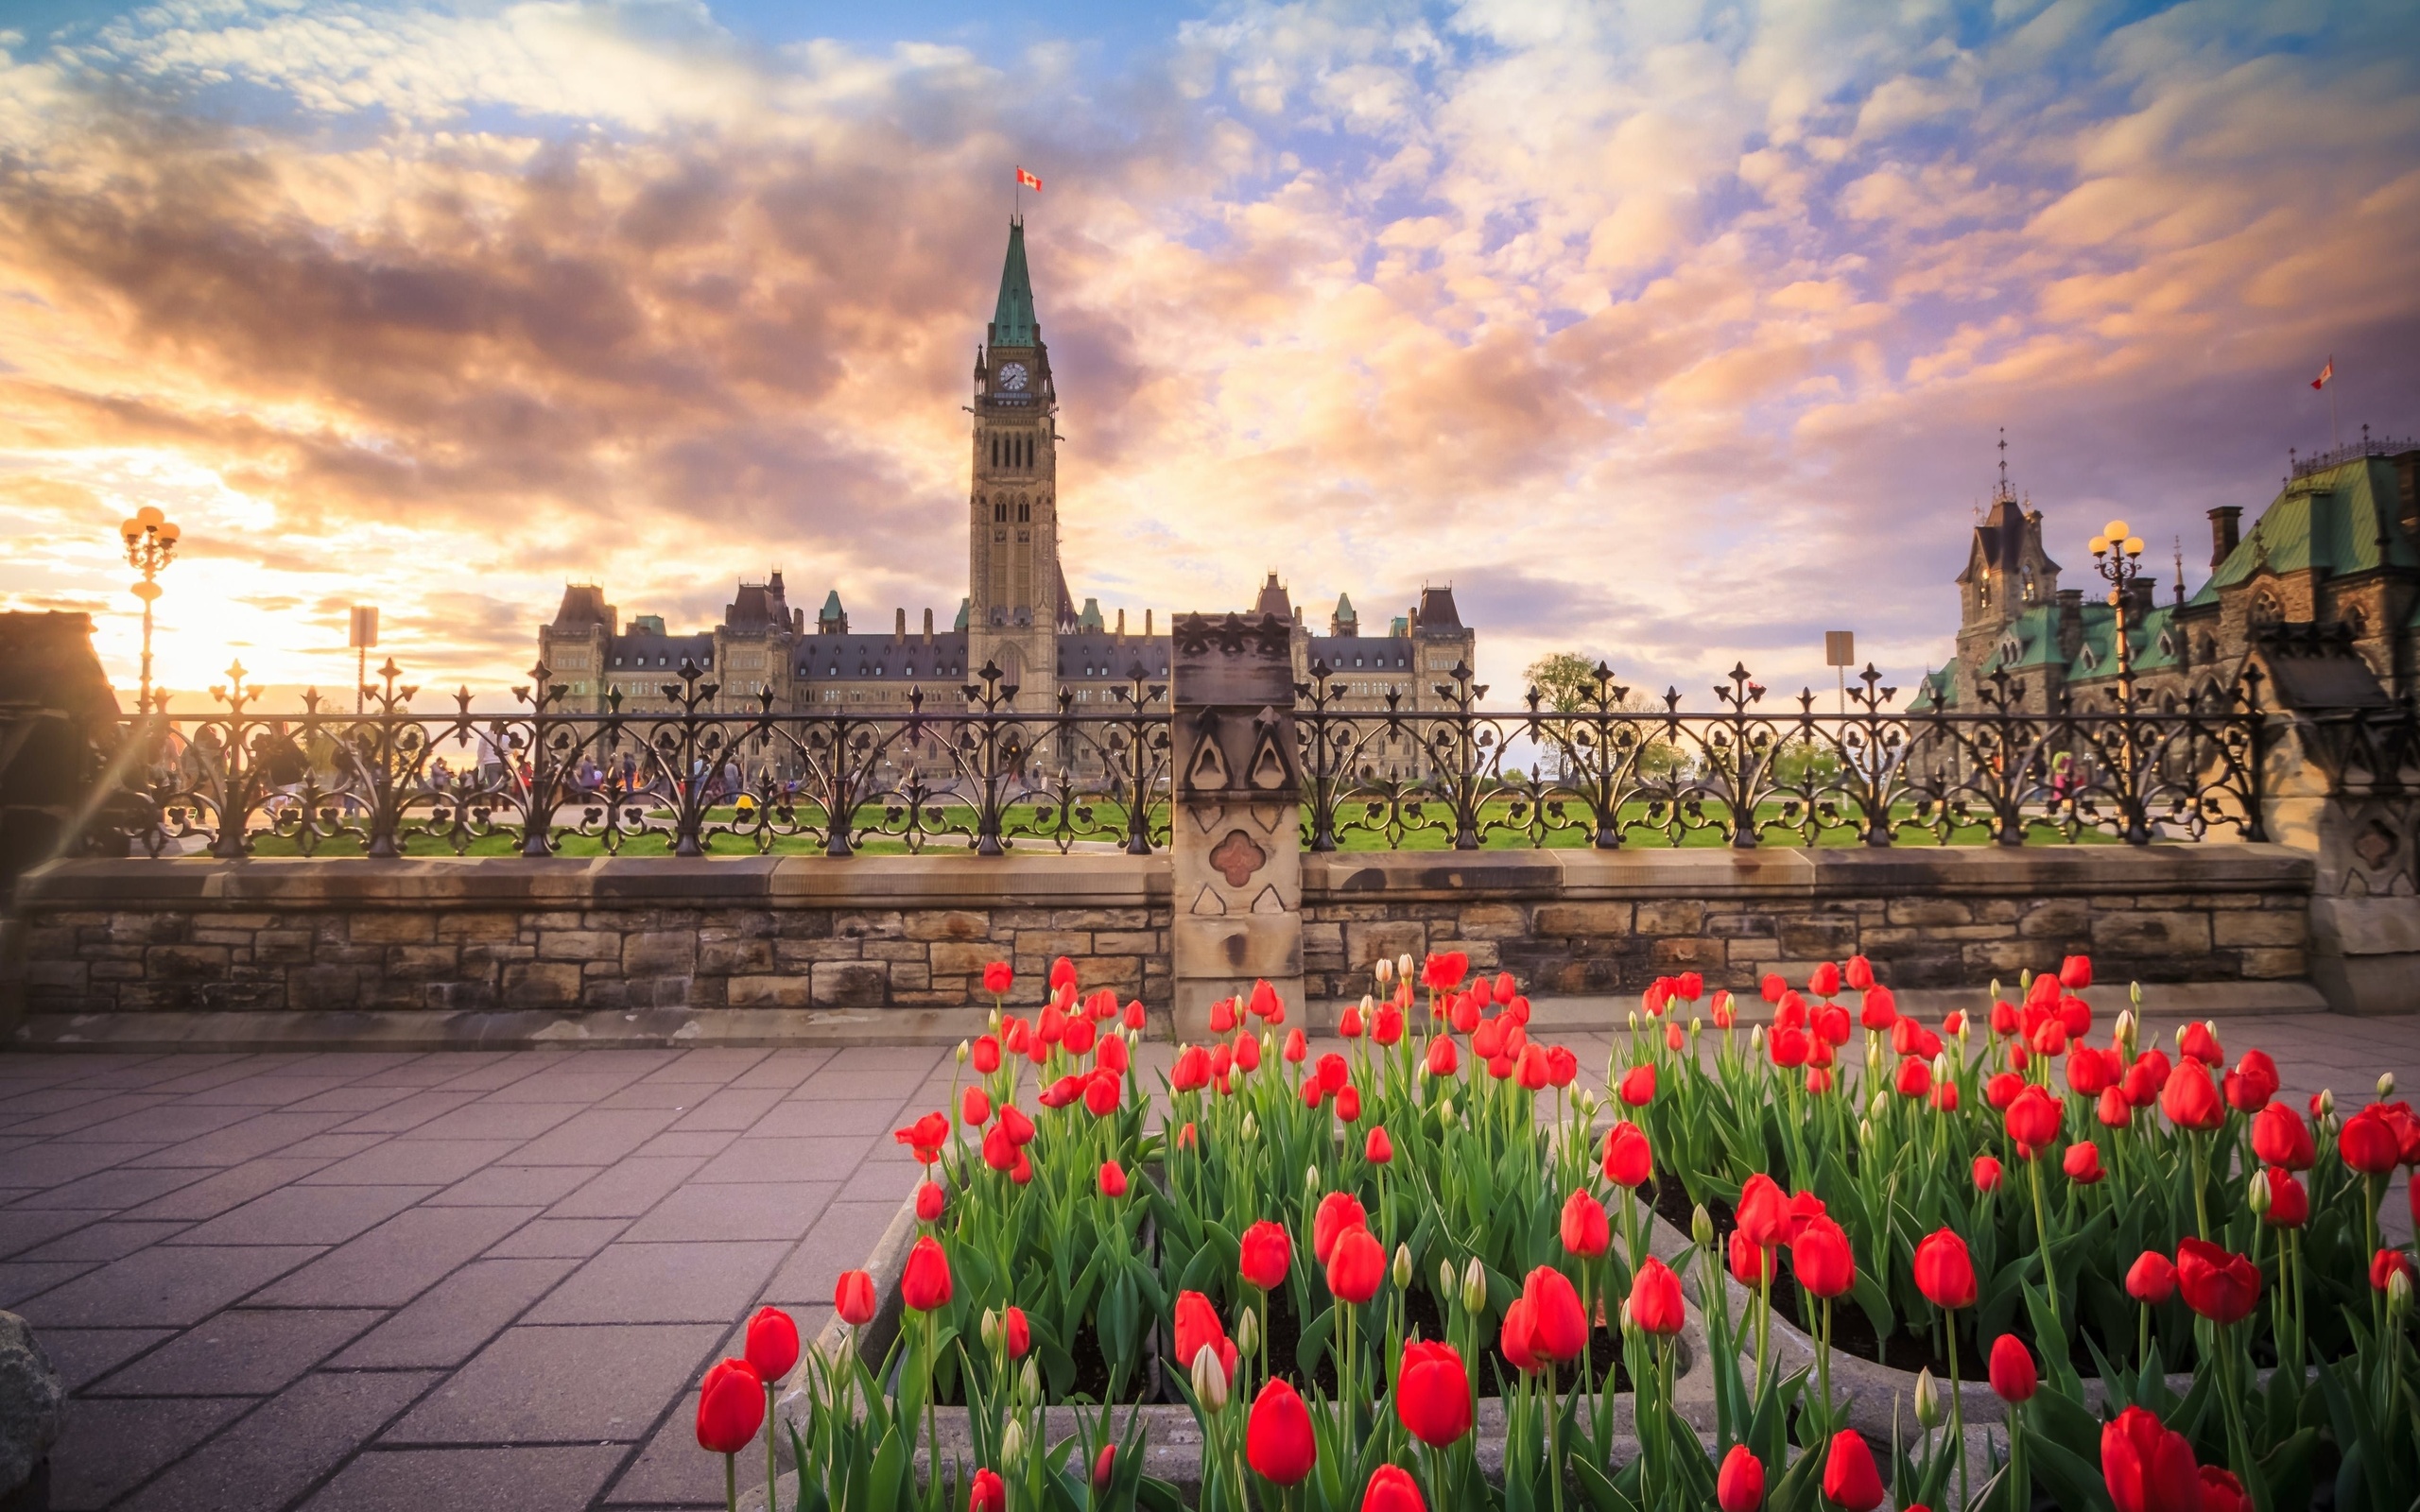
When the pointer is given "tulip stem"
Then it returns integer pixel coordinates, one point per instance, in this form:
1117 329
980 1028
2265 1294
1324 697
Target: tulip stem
2201 1199
768 1448
2042 1235
1824 1365
1957 1409
731 1483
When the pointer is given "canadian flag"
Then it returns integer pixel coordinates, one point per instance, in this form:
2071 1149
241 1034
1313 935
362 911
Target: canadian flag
1027 180
2321 381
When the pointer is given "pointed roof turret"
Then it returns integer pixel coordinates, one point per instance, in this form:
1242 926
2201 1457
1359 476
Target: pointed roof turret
1013 322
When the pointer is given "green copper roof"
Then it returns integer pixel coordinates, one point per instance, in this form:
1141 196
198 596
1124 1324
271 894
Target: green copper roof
2340 521
1013 320
832 609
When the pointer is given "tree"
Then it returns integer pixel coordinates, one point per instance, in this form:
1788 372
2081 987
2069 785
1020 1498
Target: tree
1565 679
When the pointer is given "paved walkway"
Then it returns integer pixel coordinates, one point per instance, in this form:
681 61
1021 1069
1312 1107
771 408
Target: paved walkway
476 1281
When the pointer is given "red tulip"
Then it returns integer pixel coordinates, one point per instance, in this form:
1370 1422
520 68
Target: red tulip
2092 1072
730 1407
1113 1179
1763 1211
1858 973
2075 972
1518 1337
2289 1203
2148 1468
1278 1442
2253 1082
1585 1230
1752 1265
1850 1478
1338 1212
1348 1105
1820 1258
2281 1137
2222 1492
996 978
2032 1118
1987 1173
1789 1048
1356 1266
772 1343
1656 1299
976 1106
1062 974
988 1493
930 1201
986 1055
1265 1003
1105 1467
2190 1100
2368 1143
1442 1059
2198 1043
1077 1038
1915 1077
1558 1326
1945 1271
1391 1490
2113 1109
1433 1394
1739 1486
2152 1279
2001 1089
1826 982
2222 1287
923 1285
1016 1332
853 1297
1348 1024
1198 1328
1628 1158
925 1137
1773 986
1638 1085
1297 1047
1266 1253
1819 1080
2003 1018
1464 1014
2083 1163
2011 1372
2384 1264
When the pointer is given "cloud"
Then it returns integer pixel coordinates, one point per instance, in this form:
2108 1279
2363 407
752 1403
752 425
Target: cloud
1670 333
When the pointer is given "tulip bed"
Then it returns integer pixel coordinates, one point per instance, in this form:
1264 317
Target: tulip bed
2172 1282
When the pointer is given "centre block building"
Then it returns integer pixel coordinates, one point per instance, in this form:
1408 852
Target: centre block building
1018 614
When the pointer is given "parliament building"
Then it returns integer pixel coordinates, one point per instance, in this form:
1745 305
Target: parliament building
1017 615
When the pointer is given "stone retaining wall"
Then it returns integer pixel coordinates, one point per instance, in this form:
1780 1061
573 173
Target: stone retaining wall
913 933
1572 922
473 935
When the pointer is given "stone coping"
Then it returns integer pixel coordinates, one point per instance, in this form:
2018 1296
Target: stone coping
403 1029
1829 872
1039 879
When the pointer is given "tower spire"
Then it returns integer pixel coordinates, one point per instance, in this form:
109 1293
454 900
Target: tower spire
1013 322
2003 493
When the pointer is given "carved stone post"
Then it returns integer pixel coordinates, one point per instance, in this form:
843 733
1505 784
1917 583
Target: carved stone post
1236 846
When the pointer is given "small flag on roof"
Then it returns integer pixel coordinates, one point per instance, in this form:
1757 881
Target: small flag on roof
1027 180
2321 381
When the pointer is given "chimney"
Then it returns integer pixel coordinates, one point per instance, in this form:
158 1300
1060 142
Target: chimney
929 625
2224 535
1121 624
1146 624
2070 623
899 627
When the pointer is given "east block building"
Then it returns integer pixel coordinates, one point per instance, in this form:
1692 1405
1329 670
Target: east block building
2335 554
1017 615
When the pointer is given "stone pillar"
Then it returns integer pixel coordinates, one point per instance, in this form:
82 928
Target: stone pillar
1236 844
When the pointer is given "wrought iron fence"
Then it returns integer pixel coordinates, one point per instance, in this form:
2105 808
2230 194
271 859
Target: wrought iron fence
1608 770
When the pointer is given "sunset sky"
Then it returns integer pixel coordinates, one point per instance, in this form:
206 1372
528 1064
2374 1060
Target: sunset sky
1673 334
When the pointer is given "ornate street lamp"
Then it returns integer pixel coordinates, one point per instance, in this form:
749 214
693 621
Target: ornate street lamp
150 545
2119 557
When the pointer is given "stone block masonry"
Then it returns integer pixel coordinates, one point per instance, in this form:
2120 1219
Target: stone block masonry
493 934
1591 922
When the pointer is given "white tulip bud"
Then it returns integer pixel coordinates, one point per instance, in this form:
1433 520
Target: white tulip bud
1702 1226
2256 1195
1247 1330
1029 1381
1403 966
2386 1084
1012 1442
1865 1131
2326 1100
1445 1286
991 1329
1383 971
1403 1267
1929 1399
1756 1037
1369 1006
1633 1021
2135 993
1311 1180
1250 1129
1475 1286
964 1050
1878 1105
1626 1324
2398 1295
1209 1379
1996 989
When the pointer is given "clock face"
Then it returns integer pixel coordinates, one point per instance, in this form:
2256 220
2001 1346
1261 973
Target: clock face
1012 377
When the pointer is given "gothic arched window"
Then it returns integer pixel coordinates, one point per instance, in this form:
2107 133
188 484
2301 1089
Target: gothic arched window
2265 609
1024 510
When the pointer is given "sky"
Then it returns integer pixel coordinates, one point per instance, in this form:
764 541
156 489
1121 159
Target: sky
1673 334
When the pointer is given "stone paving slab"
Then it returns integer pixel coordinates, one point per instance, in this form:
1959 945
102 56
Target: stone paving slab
490 1279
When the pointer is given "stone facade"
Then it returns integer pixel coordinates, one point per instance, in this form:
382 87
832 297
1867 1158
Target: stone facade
1576 922
894 935
483 936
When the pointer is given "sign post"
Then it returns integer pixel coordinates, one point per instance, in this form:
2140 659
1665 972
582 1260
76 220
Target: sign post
1840 650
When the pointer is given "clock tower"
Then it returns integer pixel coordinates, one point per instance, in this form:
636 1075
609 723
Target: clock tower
1014 588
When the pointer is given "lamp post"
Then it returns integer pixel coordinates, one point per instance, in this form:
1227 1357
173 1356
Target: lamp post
150 545
2119 557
